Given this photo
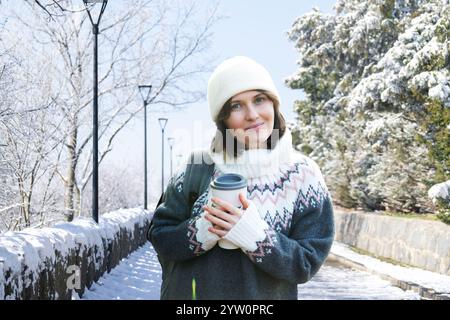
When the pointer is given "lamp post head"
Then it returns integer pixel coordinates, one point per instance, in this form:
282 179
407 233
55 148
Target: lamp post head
145 90
171 141
162 123
94 11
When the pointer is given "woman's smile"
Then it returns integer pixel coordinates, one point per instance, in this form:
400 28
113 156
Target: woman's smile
256 126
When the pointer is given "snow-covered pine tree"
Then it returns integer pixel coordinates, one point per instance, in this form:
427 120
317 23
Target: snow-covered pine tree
376 115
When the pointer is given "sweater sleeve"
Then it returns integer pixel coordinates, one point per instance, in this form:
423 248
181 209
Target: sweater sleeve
176 235
298 256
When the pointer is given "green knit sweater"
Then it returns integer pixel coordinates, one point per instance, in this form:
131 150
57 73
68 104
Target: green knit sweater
284 236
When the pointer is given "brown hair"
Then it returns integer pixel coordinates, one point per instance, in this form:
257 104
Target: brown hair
219 142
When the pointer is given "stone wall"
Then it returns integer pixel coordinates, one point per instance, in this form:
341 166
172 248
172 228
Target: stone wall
416 242
50 263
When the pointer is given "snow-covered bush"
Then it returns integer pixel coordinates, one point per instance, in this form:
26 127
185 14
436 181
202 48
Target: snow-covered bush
50 263
440 195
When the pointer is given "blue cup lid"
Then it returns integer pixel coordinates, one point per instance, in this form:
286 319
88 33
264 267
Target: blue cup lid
229 181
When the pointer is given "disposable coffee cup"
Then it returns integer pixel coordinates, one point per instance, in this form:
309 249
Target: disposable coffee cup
227 187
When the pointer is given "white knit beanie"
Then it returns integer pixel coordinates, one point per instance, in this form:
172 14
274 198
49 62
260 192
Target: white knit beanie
233 76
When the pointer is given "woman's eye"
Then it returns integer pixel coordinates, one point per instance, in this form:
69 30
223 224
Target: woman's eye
235 106
259 100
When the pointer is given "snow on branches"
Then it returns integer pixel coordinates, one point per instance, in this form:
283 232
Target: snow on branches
377 81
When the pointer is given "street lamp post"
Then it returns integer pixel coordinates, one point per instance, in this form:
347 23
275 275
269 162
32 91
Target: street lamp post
145 90
97 13
179 156
171 141
162 124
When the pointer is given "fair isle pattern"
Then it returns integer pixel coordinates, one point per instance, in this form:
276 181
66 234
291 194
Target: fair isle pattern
177 181
279 222
199 203
294 178
263 247
312 199
259 186
193 231
297 187
194 245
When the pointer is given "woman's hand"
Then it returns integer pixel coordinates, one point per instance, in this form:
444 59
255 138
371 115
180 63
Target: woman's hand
224 216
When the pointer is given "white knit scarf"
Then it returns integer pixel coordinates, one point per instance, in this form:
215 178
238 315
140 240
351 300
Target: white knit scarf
254 163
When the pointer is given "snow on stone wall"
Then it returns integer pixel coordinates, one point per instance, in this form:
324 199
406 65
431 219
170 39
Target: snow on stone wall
47 263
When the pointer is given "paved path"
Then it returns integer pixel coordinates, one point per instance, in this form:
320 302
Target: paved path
139 277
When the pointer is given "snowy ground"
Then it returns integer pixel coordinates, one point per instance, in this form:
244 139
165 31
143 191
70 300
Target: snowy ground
139 277
437 282
336 282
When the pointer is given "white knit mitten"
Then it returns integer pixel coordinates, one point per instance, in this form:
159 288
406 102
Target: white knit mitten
206 238
249 230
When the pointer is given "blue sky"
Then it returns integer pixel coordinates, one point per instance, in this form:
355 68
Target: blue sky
256 29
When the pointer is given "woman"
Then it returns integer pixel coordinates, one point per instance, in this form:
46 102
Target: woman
284 230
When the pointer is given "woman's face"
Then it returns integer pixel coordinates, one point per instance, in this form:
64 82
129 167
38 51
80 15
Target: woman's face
251 118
